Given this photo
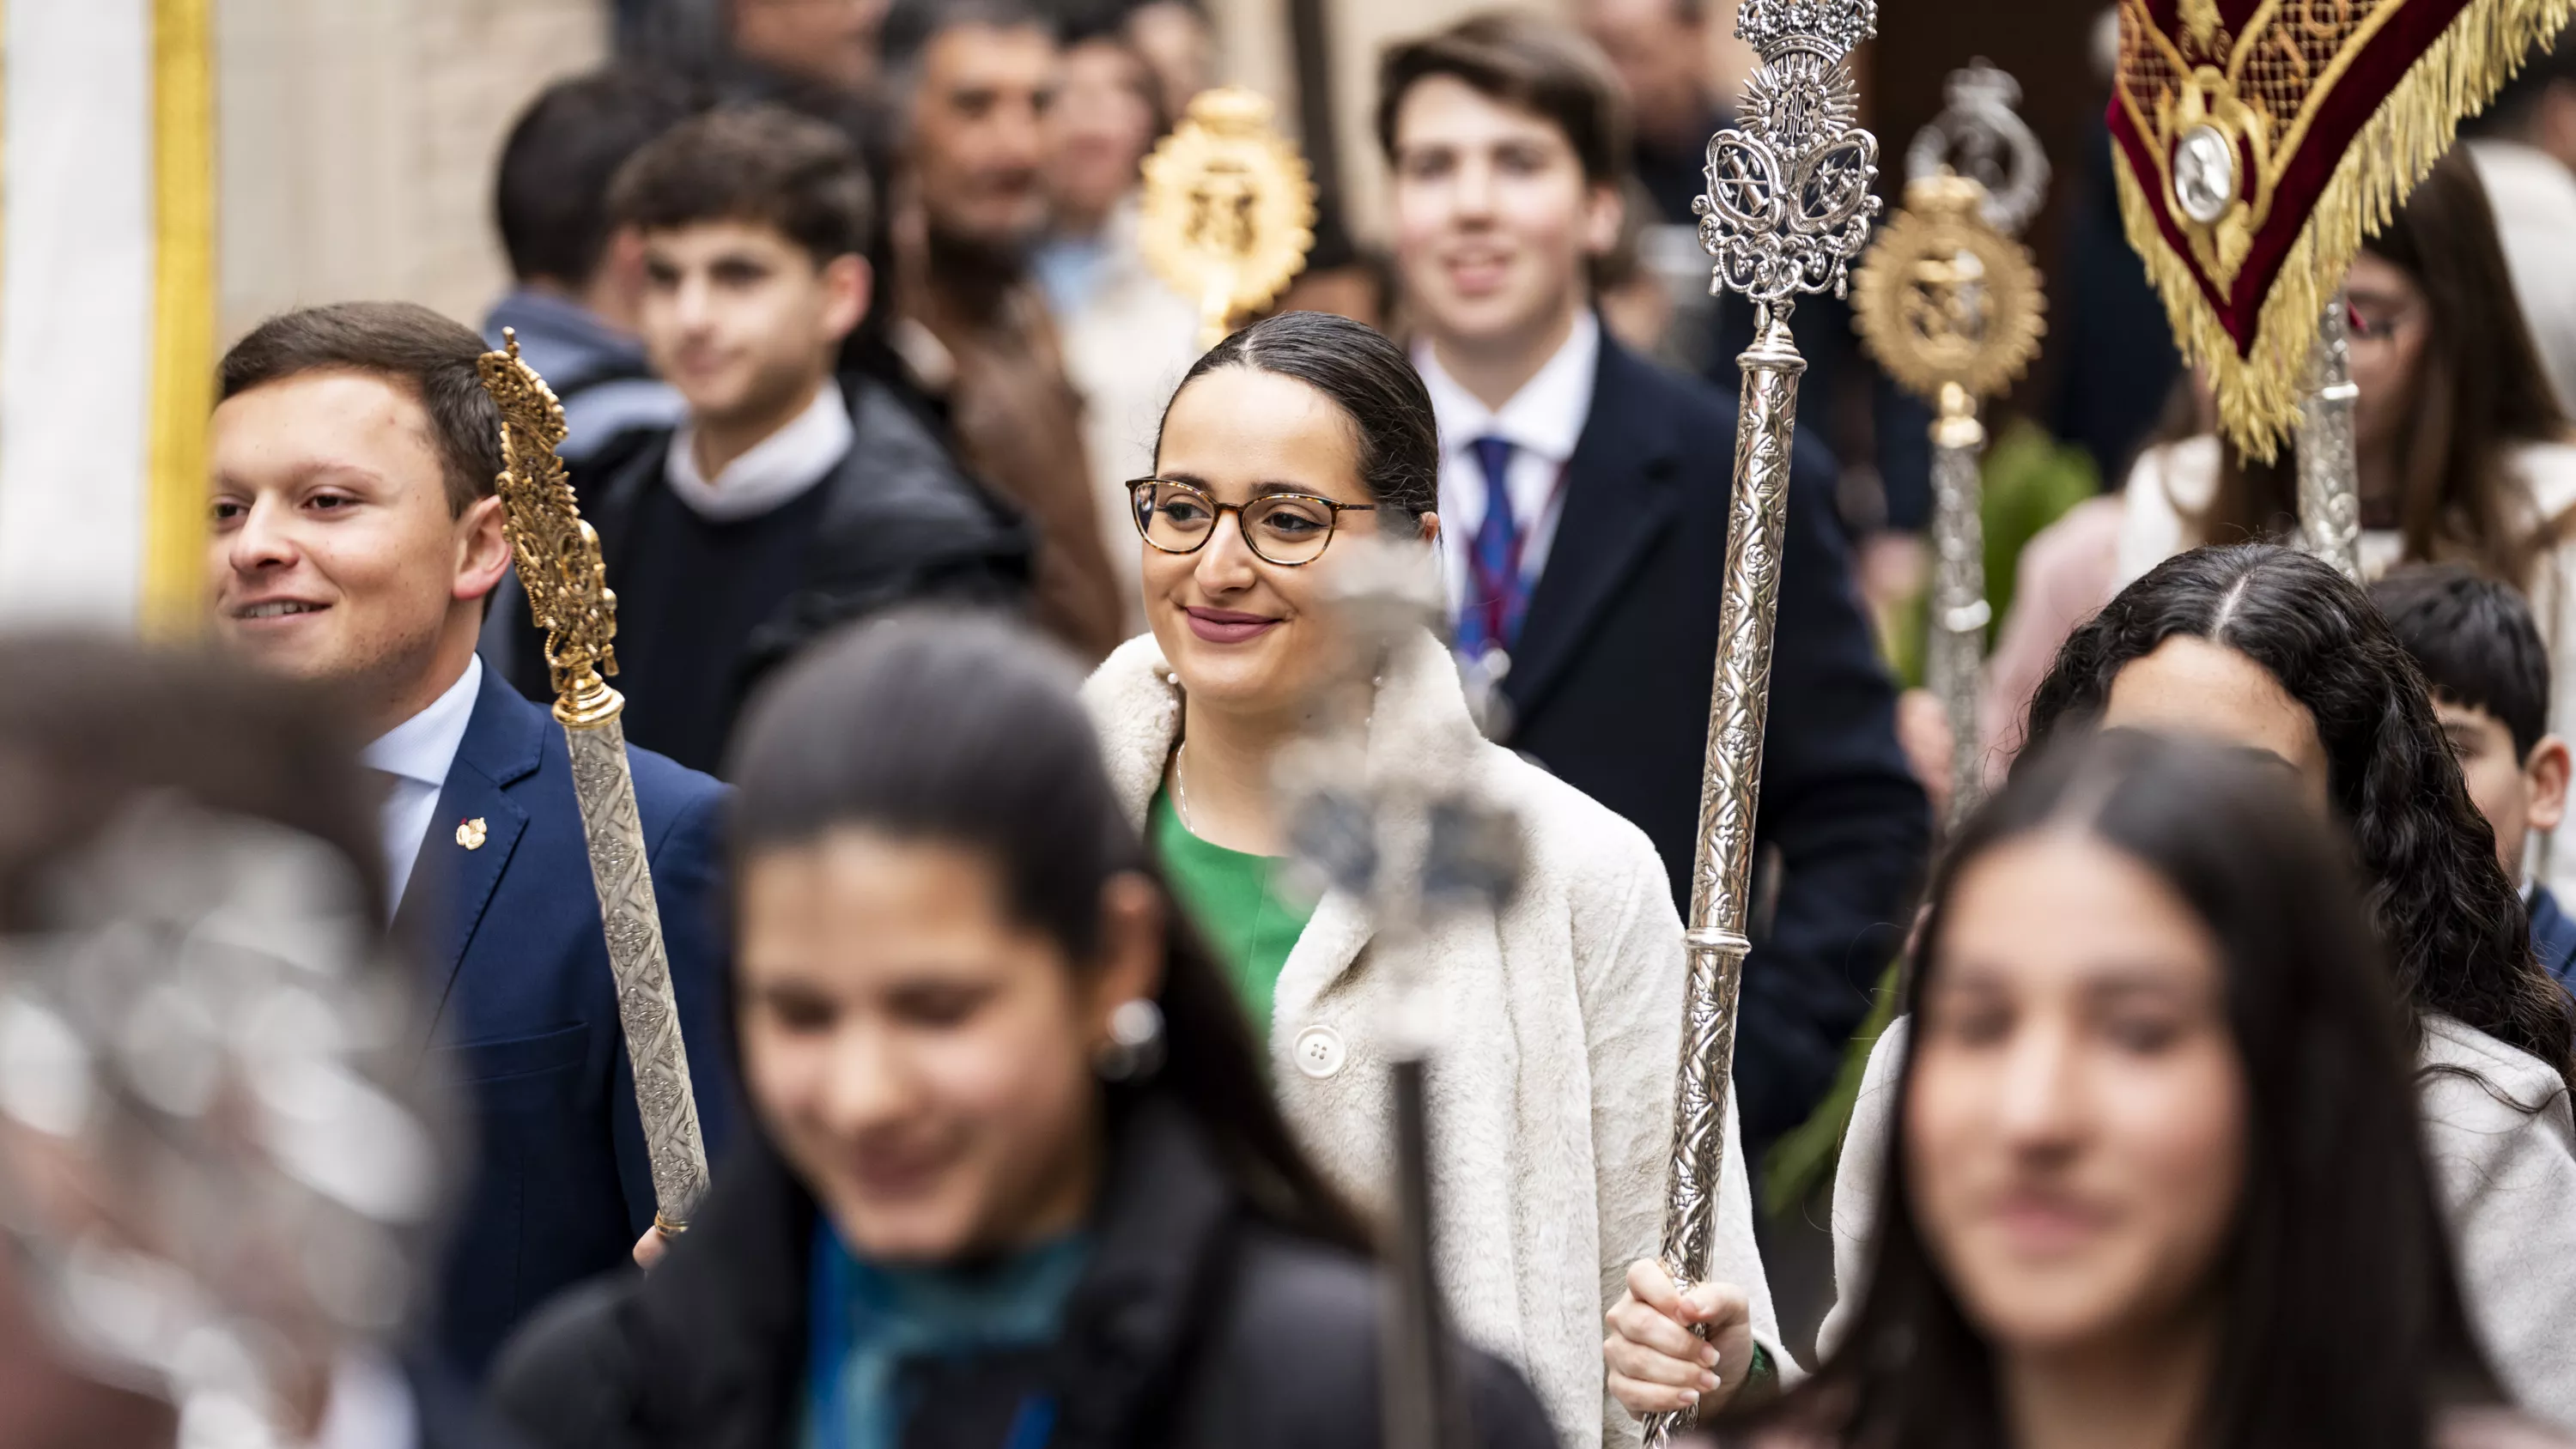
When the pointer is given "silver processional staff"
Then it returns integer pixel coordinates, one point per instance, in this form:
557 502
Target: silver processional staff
1788 206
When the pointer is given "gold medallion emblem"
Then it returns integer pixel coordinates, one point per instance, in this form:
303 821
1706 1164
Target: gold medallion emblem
1943 300
1227 212
470 834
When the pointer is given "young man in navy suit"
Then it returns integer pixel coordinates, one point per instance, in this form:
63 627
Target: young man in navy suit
356 536
1600 582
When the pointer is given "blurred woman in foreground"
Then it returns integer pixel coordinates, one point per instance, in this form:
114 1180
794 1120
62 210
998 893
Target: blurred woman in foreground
2157 1180
1022 1182
2271 650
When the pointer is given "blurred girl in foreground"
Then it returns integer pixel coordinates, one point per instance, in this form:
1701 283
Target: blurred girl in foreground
2157 1180
1022 1183
2271 650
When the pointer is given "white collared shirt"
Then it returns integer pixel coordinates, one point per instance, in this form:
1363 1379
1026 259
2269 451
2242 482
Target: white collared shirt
776 469
1542 422
417 754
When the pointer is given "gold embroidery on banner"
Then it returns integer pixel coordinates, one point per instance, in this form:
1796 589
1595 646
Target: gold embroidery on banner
2263 90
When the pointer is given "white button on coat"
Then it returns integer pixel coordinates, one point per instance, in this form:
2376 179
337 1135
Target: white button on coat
1320 1052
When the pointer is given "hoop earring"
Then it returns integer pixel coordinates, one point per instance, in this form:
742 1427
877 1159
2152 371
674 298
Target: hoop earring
1135 1046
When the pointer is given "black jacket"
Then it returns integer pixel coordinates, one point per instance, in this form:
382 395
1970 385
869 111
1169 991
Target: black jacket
1193 1325
1609 688
901 522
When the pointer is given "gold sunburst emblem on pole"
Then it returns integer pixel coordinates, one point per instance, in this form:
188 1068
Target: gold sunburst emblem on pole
1228 212
1943 300
1952 308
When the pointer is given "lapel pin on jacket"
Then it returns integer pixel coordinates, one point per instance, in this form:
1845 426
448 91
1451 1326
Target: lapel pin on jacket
470 834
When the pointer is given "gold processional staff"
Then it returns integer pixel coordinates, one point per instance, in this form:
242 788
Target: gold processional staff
557 555
1788 206
1227 212
1951 306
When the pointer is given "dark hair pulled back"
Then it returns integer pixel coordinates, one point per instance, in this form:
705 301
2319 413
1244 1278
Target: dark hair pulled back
968 732
1367 376
2458 939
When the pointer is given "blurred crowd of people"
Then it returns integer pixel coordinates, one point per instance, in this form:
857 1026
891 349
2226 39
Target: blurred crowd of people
980 637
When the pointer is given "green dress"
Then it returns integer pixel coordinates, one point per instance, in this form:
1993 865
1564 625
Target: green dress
1234 900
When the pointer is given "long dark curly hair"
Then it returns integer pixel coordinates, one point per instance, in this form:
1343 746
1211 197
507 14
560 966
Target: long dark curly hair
2458 938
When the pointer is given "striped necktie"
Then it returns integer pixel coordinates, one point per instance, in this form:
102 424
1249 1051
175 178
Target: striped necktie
1491 616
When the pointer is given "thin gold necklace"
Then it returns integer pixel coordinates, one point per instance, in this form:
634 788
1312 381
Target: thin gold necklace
1180 787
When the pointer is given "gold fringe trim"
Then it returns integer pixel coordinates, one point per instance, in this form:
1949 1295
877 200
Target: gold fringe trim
2259 392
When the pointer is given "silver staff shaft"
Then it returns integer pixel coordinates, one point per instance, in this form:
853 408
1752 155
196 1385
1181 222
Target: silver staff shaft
1729 795
1954 662
1420 1409
1788 206
2329 492
646 1007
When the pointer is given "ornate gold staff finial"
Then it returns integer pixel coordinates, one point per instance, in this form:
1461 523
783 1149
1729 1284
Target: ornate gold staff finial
1228 212
556 553
557 556
1943 300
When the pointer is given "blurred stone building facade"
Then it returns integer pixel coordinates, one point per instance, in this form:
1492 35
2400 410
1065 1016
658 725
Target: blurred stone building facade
358 139
358 136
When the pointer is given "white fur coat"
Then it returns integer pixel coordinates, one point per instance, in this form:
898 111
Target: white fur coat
1552 1096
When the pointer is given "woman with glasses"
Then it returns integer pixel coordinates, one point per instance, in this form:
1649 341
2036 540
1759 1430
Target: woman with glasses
1560 1019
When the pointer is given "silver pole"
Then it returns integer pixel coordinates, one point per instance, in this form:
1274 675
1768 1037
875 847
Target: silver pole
1954 666
2329 490
1788 206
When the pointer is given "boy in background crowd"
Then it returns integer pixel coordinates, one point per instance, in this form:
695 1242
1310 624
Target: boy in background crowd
788 500
2476 643
578 280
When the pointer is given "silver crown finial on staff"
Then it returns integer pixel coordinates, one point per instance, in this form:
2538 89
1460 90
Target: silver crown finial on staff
1788 203
1980 134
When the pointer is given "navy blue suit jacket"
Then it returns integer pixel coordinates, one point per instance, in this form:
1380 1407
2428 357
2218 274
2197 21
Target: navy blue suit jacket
1609 686
2553 938
526 1011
